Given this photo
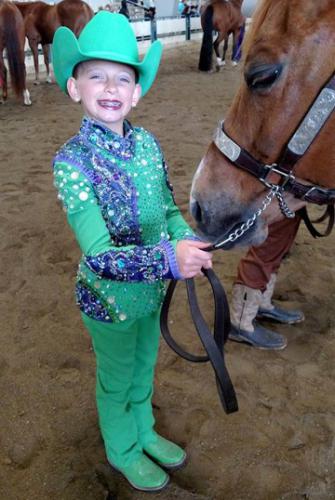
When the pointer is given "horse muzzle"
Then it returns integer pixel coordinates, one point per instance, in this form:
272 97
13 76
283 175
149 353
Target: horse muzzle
216 221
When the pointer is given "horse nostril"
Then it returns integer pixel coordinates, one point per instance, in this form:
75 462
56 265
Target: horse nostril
196 211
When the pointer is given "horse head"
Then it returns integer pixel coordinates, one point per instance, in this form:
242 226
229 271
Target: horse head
290 54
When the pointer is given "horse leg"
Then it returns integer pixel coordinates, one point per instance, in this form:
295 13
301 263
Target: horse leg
3 80
219 61
225 48
46 49
33 44
26 97
26 94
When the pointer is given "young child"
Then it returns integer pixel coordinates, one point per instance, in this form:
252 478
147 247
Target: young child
112 181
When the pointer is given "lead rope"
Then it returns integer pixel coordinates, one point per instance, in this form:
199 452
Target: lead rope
212 343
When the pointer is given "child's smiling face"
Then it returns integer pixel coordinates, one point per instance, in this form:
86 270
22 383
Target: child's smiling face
107 91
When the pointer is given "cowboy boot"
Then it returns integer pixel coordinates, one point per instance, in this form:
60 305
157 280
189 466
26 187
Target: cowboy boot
268 311
143 474
244 307
164 452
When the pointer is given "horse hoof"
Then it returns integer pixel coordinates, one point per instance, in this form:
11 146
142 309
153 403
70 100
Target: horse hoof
37 82
234 63
48 80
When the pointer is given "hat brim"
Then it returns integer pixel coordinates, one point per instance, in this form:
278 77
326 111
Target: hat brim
64 61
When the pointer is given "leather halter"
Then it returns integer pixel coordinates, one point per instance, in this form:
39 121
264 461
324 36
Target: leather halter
308 129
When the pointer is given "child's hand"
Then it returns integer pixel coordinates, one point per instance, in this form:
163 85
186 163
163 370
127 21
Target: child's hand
191 258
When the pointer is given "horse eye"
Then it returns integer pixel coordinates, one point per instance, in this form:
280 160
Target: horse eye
263 76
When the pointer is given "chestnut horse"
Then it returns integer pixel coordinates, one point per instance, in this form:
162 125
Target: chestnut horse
225 17
42 20
12 38
277 141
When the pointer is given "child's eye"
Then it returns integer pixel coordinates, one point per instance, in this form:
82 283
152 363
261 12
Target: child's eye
124 79
95 76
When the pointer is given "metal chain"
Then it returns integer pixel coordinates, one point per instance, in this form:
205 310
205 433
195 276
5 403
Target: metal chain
283 205
275 191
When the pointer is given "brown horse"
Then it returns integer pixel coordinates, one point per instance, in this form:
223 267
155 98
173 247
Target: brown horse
12 38
225 17
42 20
279 129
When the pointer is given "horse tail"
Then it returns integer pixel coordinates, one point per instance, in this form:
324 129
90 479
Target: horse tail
205 59
15 52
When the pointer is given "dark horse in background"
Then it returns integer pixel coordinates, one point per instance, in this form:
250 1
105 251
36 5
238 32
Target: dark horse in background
41 21
278 135
12 38
226 18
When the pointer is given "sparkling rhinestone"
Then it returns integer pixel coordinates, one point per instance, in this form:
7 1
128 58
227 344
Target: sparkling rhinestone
122 317
83 196
74 175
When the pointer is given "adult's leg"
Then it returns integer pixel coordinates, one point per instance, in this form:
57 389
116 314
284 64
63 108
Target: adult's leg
253 288
255 269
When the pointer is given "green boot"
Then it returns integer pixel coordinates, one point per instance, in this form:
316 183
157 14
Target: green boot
165 453
144 475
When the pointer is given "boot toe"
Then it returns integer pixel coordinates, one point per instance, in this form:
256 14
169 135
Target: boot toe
261 338
281 315
167 454
144 475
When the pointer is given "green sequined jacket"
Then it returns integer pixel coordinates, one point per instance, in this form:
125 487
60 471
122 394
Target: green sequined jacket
120 205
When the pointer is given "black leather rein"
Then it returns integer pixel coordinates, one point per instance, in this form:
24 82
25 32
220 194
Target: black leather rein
213 344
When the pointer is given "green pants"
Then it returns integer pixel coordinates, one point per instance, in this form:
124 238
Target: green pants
126 355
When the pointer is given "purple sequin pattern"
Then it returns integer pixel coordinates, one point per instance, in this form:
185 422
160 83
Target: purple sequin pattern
114 188
122 148
91 305
144 263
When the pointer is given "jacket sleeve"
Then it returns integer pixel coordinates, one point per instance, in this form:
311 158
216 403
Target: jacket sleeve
127 263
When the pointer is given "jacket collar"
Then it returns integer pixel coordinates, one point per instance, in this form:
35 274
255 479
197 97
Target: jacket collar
101 137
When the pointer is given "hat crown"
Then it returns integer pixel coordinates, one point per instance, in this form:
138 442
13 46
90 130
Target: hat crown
109 33
106 36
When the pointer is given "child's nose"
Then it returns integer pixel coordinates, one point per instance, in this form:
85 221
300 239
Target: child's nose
111 85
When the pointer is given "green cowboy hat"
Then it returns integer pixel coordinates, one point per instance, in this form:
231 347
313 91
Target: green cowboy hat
106 36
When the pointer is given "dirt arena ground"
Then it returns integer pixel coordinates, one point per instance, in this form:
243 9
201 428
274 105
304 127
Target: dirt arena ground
280 445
